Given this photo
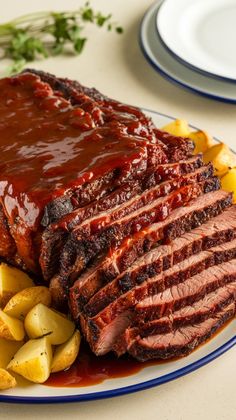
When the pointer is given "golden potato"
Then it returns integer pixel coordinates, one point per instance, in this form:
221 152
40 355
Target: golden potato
6 380
21 303
202 141
42 321
7 351
221 157
66 353
11 328
33 360
177 128
12 281
228 182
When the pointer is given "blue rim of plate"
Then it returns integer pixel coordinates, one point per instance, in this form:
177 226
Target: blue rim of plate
125 390
186 63
131 388
171 79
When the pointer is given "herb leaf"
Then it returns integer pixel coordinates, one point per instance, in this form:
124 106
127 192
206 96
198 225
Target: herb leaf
44 34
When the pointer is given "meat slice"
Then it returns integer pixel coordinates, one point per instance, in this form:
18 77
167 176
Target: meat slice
109 196
181 341
97 234
187 268
168 171
98 187
217 231
173 193
131 197
180 221
186 293
102 330
54 238
198 312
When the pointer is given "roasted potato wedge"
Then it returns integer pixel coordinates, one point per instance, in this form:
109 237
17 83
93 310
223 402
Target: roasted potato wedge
228 182
42 321
177 128
33 360
221 157
21 303
12 281
6 380
201 140
11 328
66 353
7 351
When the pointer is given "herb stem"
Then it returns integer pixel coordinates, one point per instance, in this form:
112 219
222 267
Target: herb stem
47 33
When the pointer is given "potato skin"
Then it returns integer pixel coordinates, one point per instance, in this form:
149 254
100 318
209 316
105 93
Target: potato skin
202 141
7 350
221 157
12 281
228 182
11 328
21 303
33 360
7 381
177 128
66 353
42 320
29 306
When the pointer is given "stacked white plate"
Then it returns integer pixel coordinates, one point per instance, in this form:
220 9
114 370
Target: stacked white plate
192 43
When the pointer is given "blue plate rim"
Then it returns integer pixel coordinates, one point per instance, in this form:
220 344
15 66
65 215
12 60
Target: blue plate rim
171 79
124 390
131 388
186 63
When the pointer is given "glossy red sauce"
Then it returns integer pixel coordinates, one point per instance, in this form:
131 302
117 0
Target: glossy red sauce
48 146
91 370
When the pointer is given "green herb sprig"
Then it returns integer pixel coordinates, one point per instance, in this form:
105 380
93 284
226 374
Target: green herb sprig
44 34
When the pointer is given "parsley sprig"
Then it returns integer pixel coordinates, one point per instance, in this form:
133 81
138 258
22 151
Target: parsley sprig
44 34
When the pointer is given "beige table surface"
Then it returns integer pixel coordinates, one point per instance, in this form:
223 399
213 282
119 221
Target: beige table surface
115 65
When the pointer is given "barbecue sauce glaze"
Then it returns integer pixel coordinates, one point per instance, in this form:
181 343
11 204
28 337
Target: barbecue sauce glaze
47 146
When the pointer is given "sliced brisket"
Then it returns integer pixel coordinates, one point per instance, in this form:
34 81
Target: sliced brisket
187 268
62 217
216 231
56 235
181 341
187 292
61 206
198 312
180 221
98 234
101 330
